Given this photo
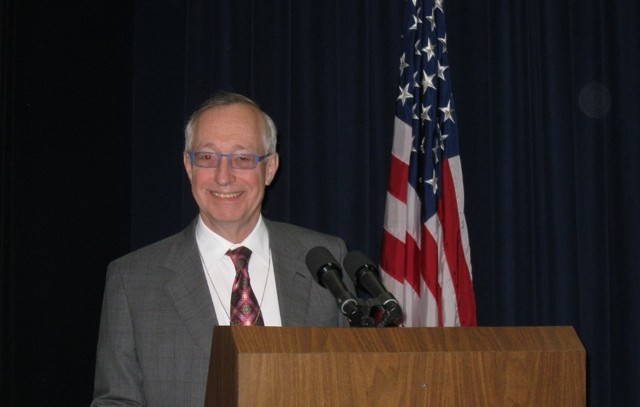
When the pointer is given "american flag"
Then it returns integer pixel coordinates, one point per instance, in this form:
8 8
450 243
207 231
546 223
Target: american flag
425 259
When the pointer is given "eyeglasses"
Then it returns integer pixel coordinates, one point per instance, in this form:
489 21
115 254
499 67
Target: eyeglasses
207 159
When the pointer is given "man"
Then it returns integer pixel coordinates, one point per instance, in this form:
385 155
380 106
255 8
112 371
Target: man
162 302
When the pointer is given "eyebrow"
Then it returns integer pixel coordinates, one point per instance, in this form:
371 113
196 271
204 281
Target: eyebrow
235 147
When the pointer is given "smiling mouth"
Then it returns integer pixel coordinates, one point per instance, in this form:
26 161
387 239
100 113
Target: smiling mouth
225 196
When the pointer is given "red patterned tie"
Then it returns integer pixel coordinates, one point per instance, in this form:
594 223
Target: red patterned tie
245 309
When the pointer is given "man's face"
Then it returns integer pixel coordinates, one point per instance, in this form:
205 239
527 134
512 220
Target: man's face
230 199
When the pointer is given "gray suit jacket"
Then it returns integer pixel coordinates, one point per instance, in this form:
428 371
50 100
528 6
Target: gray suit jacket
158 317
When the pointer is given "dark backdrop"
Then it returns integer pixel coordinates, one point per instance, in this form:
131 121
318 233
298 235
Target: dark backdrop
92 117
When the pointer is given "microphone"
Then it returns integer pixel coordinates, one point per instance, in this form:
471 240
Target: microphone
364 273
326 270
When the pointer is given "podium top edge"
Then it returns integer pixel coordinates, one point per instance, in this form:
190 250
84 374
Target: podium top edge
467 339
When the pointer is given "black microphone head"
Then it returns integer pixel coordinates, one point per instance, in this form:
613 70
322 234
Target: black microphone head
356 260
318 259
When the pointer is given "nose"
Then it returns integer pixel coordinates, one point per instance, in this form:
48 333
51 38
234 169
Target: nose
224 173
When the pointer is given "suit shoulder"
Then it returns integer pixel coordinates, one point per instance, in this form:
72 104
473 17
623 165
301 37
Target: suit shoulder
290 228
284 231
157 251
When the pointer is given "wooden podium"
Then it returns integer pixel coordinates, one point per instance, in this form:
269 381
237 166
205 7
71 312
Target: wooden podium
442 367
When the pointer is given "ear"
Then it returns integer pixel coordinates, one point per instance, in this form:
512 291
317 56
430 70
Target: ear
271 168
187 165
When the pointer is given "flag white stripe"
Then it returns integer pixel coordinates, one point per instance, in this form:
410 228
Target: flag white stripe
424 308
456 175
402 141
396 209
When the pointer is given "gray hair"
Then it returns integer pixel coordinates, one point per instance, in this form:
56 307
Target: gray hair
269 136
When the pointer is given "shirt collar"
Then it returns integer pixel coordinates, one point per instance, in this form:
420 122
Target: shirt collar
214 247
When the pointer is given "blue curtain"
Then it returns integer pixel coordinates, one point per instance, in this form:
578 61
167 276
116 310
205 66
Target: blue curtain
548 114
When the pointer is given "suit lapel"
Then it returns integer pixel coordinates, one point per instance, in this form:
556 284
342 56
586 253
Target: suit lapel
292 278
189 290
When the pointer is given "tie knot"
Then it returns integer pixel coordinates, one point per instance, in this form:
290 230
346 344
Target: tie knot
240 257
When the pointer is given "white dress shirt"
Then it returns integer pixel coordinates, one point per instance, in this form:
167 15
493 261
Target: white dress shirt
220 271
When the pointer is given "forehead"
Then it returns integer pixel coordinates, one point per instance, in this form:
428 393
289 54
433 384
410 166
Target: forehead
239 124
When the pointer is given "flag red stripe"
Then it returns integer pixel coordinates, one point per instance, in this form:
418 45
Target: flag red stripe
412 262
397 257
398 174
